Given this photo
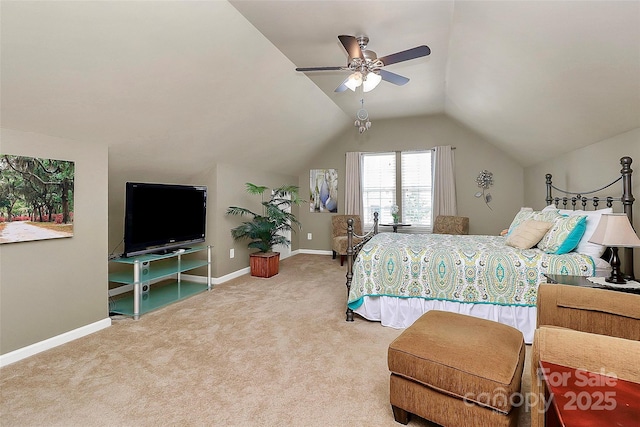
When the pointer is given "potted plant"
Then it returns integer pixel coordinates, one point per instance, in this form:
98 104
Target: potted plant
264 229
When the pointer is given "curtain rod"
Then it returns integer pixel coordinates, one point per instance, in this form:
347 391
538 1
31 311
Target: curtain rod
396 151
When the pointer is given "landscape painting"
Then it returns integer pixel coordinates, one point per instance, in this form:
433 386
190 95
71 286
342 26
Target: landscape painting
36 198
323 190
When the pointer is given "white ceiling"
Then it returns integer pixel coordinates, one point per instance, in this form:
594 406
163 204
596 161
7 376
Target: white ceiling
217 80
537 78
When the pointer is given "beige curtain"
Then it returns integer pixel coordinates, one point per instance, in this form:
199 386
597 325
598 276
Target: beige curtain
444 182
353 185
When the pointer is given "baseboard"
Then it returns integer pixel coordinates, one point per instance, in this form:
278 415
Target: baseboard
315 252
217 280
24 352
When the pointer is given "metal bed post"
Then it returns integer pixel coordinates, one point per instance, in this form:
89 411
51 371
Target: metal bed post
349 264
627 204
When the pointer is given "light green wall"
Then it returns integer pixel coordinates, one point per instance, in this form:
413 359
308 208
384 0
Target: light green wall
50 287
586 169
472 155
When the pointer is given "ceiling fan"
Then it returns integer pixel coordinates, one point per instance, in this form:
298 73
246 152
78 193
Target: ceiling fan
367 69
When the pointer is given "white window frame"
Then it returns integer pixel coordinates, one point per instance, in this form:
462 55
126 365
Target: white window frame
401 194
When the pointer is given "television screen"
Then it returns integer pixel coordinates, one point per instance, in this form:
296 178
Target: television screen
161 217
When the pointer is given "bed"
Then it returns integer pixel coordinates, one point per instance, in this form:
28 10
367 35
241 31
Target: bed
394 278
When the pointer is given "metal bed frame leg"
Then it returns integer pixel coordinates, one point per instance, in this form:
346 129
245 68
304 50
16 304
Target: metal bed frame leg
349 264
351 254
627 204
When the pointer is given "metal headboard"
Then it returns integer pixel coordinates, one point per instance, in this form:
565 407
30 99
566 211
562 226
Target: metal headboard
573 200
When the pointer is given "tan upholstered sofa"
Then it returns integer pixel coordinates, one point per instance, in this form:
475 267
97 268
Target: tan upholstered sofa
449 224
339 234
585 328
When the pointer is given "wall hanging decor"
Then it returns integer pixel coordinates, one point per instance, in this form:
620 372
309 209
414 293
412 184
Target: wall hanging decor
323 190
484 181
36 198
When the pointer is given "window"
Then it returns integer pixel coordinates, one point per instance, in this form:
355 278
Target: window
411 191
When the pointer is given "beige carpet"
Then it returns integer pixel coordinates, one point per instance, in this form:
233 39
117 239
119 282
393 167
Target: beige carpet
251 352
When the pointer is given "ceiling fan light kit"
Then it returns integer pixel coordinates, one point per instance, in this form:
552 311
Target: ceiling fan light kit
368 81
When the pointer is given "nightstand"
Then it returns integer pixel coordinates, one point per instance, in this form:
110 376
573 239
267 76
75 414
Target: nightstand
563 279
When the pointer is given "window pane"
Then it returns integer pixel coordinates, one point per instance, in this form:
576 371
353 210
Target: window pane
416 188
379 190
378 186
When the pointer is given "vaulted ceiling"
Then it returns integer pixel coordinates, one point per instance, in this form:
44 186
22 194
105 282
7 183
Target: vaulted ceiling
537 78
187 84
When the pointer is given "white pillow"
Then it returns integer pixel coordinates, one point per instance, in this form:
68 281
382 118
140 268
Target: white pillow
593 218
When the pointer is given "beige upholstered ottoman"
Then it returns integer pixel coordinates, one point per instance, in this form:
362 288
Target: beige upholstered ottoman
457 370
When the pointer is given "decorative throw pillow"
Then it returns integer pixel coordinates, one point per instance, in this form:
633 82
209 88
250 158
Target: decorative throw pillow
593 218
565 234
528 234
523 215
528 213
547 216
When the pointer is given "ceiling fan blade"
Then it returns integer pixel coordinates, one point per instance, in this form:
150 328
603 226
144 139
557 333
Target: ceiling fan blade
406 55
305 69
396 79
352 47
342 86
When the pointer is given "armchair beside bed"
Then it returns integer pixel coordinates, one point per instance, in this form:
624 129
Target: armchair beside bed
450 224
339 242
584 328
593 310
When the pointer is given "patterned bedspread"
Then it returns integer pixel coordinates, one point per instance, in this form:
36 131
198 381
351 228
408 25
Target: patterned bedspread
468 269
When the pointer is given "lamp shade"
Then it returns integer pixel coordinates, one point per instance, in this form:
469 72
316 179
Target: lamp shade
371 81
615 230
354 81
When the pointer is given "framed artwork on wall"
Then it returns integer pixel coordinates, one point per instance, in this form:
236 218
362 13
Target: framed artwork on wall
36 198
323 190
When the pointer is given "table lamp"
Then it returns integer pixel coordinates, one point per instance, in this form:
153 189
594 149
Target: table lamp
615 230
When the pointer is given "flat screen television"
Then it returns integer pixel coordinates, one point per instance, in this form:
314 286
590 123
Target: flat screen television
162 217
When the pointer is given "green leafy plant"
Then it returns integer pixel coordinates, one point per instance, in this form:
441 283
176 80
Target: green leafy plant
263 230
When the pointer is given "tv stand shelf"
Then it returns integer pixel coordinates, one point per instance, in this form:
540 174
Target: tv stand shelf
150 268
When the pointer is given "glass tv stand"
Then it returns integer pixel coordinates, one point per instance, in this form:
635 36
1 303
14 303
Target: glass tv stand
157 280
